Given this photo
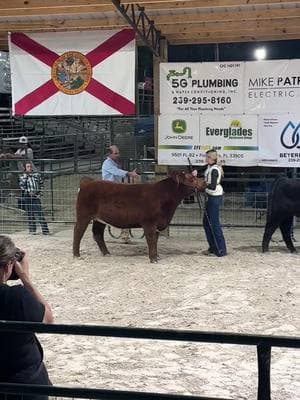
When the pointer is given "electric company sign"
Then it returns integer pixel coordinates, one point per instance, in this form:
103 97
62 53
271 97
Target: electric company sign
279 140
272 87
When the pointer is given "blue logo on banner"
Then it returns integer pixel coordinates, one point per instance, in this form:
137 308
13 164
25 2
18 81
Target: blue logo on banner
290 136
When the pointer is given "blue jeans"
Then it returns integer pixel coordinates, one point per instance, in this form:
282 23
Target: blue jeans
35 214
212 226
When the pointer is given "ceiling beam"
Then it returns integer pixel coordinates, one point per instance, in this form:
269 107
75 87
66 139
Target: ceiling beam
227 16
234 39
58 7
61 10
229 26
64 25
171 4
117 22
42 4
246 32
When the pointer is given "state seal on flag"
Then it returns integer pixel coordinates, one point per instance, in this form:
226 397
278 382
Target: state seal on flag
71 72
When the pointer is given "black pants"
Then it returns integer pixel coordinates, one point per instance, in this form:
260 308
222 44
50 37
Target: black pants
35 214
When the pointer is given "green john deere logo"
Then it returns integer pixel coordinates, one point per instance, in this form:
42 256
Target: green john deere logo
179 126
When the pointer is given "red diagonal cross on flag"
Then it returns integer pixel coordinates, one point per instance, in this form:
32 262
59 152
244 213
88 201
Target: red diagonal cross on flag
93 86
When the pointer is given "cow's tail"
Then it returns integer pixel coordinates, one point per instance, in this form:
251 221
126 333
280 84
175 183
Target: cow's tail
84 181
273 194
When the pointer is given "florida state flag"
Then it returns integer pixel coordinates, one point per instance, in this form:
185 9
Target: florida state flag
73 73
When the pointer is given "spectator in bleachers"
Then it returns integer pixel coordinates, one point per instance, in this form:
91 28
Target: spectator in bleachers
25 151
21 355
31 185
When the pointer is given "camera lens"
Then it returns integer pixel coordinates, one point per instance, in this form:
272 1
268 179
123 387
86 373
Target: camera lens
19 255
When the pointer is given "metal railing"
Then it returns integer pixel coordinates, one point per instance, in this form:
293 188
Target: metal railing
263 345
55 137
103 394
60 192
245 199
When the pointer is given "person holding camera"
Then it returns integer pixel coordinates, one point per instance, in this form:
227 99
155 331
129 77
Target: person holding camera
31 184
21 355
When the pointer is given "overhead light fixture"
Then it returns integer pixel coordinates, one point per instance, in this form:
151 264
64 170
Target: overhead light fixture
260 53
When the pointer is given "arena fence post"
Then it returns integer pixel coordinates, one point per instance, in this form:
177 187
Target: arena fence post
264 364
76 150
52 192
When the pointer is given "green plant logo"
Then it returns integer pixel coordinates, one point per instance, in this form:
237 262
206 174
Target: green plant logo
185 71
236 123
179 126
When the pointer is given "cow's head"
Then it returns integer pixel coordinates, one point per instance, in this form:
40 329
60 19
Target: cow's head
189 180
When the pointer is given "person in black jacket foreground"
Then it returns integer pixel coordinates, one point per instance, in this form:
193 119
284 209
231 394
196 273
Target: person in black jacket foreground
21 355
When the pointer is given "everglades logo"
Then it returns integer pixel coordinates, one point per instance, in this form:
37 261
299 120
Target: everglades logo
186 71
290 136
179 126
234 131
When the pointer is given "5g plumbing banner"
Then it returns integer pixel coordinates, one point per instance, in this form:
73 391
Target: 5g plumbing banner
248 111
279 140
201 88
272 87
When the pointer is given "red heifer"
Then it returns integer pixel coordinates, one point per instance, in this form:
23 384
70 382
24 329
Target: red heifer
148 206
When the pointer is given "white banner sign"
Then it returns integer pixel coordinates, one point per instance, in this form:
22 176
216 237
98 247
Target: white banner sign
178 140
201 88
234 137
74 73
183 137
279 140
272 87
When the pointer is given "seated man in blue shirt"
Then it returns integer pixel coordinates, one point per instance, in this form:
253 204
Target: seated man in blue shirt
111 171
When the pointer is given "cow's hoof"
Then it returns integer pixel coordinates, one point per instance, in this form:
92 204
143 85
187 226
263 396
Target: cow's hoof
153 261
107 254
76 255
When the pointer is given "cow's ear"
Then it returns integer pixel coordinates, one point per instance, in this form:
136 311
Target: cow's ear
189 176
176 175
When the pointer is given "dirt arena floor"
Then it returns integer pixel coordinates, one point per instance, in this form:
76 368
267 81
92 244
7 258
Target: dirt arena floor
246 292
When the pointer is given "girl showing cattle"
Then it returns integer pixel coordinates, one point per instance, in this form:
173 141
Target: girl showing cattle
214 198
